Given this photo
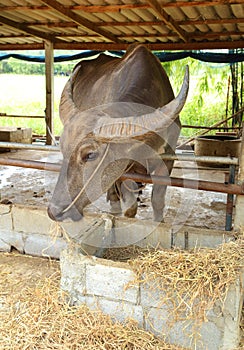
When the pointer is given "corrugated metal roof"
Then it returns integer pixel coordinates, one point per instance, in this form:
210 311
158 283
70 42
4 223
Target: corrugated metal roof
113 24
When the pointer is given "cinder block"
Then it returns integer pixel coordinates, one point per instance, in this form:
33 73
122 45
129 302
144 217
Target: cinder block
4 247
118 310
32 220
5 218
220 331
143 233
73 273
13 239
42 245
90 233
156 320
121 311
111 282
151 295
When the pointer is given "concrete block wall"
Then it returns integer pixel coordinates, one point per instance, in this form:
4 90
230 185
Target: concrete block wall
105 284
30 231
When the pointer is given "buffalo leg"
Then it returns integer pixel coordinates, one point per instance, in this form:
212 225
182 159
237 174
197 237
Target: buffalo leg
159 191
114 198
129 190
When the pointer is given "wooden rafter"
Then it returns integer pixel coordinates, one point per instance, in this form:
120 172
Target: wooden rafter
71 24
122 46
179 23
197 35
80 20
117 8
24 28
167 19
155 46
211 21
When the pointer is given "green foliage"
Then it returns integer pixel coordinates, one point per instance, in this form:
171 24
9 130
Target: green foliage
206 102
27 68
24 92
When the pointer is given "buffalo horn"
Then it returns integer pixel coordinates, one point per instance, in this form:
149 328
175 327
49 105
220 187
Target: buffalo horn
67 107
161 118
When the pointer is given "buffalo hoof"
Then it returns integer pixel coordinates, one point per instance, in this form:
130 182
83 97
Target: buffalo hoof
131 212
115 207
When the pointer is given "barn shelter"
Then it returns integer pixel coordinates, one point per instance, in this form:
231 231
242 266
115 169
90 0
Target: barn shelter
98 26
182 28
112 25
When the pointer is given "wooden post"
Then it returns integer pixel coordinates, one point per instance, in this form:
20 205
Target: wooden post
49 91
239 211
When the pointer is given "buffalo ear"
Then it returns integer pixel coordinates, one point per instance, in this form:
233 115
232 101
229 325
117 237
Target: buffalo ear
132 127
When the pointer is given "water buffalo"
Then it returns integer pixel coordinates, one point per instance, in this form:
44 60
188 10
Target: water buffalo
118 115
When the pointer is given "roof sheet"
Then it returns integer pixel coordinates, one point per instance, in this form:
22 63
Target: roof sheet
113 24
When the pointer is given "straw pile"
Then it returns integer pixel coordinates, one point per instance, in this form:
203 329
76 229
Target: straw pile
38 317
190 281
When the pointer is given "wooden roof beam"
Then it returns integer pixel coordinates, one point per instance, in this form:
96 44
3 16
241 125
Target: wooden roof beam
71 24
197 35
79 20
117 8
24 28
211 21
156 23
167 19
203 45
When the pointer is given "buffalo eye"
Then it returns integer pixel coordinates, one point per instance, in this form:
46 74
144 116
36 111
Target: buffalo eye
90 156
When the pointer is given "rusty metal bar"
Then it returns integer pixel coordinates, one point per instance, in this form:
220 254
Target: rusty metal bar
161 180
33 164
230 199
206 159
210 127
179 157
21 116
30 146
186 183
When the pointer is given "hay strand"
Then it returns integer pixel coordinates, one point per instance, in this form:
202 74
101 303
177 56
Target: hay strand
192 281
39 318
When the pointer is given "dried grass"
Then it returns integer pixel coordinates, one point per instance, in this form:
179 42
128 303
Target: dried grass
190 281
41 319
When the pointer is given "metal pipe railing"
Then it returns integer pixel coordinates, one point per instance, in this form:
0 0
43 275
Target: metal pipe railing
153 179
29 146
186 183
179 157
205 159
32 164
5 115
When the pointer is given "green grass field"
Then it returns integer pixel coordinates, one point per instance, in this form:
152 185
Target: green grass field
25 95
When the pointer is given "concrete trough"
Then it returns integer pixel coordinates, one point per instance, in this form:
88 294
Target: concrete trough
29 230
103 283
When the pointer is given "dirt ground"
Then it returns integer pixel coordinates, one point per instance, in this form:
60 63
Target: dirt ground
18 271
191 207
